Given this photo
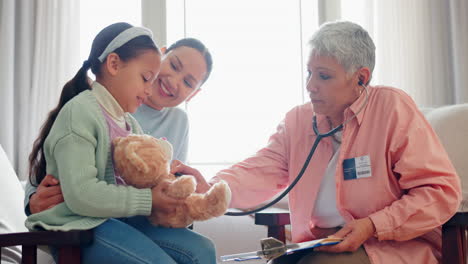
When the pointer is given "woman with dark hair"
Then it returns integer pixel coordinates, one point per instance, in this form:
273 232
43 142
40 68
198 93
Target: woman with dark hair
185 66
75 145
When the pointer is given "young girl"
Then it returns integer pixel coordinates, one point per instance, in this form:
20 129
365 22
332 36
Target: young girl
75 145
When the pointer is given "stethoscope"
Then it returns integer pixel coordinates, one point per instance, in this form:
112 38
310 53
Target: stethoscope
319 137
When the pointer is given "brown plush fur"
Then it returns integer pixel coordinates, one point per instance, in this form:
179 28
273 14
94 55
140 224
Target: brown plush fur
143 162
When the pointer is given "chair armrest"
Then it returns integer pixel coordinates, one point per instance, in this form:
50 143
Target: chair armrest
459 219
454 232
454 241
50 238
272 217
275 219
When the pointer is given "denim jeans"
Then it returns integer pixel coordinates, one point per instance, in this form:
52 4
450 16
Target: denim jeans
136 240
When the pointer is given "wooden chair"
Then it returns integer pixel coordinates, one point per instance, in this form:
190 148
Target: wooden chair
454 233
67 243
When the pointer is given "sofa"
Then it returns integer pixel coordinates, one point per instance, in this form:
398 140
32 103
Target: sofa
12 214
233 234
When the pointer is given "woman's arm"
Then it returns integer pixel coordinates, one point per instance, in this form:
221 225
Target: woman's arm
261 176
254 180
430 185
84 192
47 195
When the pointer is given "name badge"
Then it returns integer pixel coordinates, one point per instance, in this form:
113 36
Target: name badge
356 168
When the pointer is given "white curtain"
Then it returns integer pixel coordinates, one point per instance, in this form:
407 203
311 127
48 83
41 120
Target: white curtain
459 41
39 53
421 45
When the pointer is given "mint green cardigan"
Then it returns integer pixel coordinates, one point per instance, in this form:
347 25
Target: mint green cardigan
78 152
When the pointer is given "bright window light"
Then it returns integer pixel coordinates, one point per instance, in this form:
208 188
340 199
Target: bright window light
257 48
96 15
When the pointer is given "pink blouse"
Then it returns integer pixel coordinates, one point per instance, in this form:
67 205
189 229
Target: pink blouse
412 188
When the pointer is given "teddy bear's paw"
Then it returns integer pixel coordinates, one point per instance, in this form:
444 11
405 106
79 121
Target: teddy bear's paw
220 194
182 187
227 192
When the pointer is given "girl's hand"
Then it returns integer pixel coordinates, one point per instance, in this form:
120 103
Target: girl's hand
354 234
163 202
178 166
47 195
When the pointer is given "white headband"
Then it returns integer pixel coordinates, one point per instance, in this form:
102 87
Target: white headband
124 37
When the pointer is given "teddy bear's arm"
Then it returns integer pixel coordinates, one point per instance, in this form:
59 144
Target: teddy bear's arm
182 187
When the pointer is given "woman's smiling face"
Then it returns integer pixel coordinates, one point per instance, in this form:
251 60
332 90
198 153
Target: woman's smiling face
183 70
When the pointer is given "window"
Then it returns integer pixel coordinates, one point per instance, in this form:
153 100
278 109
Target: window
96 15
258 75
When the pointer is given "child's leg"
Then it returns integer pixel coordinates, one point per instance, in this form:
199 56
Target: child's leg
118 242
182 244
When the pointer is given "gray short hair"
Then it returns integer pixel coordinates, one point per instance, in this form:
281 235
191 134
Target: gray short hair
347 42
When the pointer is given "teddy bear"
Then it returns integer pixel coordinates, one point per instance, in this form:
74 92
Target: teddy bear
143 161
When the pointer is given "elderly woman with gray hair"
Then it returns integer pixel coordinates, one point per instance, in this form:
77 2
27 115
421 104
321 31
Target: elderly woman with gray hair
383 182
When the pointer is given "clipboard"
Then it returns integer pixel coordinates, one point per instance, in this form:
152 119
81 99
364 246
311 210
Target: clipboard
273 248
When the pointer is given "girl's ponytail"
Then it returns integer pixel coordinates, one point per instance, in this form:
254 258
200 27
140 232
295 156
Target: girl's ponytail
103 44
37 162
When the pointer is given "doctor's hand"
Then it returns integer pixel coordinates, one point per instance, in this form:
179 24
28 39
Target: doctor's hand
47 195
354 234
178 166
